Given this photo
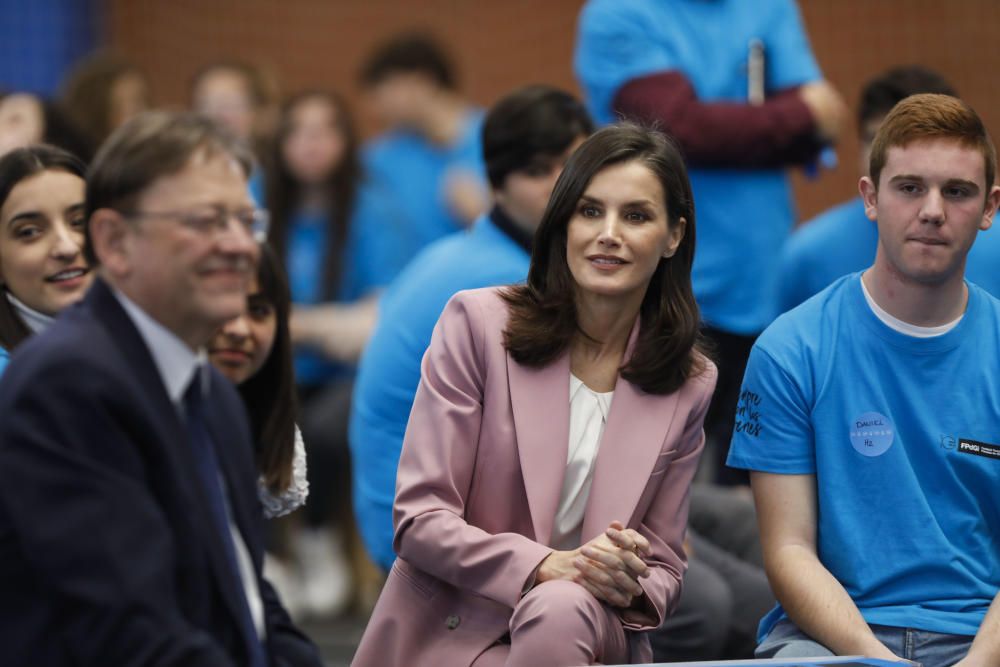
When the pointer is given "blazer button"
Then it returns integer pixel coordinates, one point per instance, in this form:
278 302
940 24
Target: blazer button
452 622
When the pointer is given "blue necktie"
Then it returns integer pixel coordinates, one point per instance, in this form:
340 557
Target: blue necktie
210 476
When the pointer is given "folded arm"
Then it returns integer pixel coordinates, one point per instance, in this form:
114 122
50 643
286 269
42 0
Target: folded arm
788 128
339 331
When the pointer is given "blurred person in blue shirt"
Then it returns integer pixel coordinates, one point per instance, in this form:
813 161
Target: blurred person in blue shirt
244 99
527 137
429 158
737 86
339 241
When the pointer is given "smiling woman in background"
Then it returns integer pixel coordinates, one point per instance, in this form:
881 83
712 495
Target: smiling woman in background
254 351
42 269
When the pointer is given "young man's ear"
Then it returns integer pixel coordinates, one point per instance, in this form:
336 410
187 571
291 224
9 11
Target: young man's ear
990 210
869 194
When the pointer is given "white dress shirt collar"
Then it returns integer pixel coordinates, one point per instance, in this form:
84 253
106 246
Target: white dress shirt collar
175 361
177 364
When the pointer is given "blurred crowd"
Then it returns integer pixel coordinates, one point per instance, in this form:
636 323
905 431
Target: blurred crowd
367 240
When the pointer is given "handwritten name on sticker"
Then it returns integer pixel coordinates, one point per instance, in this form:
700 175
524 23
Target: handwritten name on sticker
748 414
872 433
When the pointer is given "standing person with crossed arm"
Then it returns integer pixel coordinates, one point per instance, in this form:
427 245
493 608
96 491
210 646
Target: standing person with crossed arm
737 86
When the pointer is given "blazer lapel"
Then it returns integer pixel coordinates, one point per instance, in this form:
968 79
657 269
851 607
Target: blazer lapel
244 512
630 446
171 432
540 402
230 583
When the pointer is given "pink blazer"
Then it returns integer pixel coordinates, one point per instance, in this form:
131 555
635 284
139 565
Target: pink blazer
479 482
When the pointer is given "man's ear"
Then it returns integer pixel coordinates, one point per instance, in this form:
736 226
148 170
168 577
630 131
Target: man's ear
109 238
869 194
990 210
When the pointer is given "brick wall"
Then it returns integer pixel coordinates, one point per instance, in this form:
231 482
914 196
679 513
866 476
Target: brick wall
500 44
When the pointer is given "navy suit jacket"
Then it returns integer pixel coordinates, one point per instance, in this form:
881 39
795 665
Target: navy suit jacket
108 554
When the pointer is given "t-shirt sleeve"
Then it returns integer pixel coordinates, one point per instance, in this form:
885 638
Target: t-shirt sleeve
793 284
613 47
468 153
773 429
375 242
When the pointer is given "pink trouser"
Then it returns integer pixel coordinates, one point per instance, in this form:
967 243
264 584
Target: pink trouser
560 624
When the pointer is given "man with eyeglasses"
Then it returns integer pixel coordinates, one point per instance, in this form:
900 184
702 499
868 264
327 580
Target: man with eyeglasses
129 520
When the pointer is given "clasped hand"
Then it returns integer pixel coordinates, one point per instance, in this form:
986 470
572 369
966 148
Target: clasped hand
609 566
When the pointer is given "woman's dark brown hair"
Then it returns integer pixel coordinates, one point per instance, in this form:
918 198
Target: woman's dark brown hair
269 395
284 192
16 166
542 319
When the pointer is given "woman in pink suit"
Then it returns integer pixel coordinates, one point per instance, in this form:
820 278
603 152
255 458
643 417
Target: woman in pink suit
542 492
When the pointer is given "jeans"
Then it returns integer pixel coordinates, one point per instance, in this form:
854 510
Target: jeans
930 649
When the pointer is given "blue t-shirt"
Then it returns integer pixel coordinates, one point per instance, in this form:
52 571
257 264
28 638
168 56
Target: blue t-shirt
389 371
371 258
4 359
744 216
415 175
903 436
839 241
843 240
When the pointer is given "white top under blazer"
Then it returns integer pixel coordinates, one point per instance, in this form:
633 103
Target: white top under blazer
588 415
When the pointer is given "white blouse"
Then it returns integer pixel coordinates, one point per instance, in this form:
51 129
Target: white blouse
588 415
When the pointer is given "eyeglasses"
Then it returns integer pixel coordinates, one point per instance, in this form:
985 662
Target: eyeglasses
253 221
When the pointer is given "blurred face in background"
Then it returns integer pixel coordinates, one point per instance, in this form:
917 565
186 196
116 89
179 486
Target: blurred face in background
314 142
129 97
41 241
224 95
525 192
242 345
398 100
22 121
